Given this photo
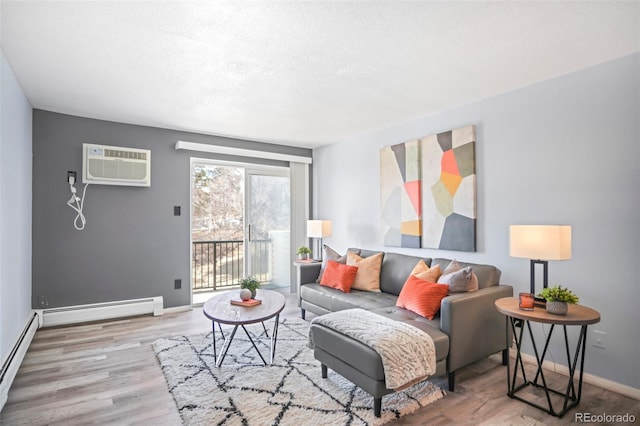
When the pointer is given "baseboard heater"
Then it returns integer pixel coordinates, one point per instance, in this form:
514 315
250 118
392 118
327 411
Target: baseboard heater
12 363
101 311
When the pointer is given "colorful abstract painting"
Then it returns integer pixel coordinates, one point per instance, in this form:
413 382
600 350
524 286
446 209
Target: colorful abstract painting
400 194
448 171
428 191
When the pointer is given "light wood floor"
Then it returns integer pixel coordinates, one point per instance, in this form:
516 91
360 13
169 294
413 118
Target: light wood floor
107 374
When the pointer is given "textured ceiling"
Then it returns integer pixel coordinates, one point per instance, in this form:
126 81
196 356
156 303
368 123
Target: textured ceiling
297 73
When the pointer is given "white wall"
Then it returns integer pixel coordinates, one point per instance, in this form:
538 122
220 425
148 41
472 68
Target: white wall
15 209
564 151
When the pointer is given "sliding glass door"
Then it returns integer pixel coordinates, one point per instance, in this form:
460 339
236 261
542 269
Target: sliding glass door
268 226
240 226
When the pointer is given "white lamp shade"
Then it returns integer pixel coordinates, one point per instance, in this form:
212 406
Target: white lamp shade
319 228
540 242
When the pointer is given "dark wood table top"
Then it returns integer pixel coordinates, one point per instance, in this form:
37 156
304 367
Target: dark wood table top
220 309
577 314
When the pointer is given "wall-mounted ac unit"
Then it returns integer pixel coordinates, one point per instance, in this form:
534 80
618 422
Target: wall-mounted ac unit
112 165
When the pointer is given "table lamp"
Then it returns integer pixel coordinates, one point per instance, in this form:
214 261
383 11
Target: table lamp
540 243
318 229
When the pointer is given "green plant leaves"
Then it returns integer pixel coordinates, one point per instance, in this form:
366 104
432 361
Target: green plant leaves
559 294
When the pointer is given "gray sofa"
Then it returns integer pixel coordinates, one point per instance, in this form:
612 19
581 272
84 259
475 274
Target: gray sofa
467 328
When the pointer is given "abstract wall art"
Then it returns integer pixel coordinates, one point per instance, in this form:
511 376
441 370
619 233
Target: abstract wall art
400 194
428 192
448 169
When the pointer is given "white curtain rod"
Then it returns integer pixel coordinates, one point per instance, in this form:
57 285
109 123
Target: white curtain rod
216 149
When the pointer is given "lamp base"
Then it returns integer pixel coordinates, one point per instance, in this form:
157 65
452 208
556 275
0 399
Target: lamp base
317 250
539 301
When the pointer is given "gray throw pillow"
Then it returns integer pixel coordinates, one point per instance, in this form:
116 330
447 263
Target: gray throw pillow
458 281
471 283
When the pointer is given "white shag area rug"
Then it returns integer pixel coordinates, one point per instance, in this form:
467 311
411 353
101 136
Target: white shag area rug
243 391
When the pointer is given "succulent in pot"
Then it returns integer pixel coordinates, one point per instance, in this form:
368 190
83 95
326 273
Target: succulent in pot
303 253
250 284
558 298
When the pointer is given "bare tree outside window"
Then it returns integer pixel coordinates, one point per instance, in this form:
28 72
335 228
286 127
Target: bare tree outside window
218 203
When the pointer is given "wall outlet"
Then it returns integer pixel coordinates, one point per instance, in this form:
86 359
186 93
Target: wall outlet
43 301
72 174
599 339
177 211
177 284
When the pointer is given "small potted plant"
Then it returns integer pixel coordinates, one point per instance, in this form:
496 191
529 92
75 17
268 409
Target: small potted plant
303 253
558 299
250 284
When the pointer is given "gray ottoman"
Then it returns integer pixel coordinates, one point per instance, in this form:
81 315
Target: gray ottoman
361 364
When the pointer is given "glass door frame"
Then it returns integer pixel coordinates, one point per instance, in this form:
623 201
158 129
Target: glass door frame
259 169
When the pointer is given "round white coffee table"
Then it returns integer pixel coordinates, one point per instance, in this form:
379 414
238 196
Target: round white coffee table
219 309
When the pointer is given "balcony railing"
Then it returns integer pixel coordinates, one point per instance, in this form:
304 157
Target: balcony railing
220 264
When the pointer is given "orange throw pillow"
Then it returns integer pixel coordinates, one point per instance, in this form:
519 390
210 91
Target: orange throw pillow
422 271
368 276
421 296
339 276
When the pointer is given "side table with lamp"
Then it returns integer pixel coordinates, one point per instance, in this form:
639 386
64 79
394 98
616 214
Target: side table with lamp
577 315
541 243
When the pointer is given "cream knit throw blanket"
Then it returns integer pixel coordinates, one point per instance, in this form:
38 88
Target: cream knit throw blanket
408 353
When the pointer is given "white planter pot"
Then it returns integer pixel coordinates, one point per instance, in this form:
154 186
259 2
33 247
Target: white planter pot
557 308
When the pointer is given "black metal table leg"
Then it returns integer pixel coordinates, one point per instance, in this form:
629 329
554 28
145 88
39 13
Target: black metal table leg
577 315
227 343
213 333
570 398
225 347
274 338
511 385
254 345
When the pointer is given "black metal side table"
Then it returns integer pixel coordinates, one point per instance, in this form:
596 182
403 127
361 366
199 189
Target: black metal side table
577 315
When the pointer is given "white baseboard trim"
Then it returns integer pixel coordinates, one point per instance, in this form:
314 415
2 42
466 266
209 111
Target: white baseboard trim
175 309
14 359
616 387
100 311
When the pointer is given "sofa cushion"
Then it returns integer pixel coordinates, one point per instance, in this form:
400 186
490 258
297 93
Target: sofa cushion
396 268
332 300
488 275
339 276
368 275
317 295
361 299
422 297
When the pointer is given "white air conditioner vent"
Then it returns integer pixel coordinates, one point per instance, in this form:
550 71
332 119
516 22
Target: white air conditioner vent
112 165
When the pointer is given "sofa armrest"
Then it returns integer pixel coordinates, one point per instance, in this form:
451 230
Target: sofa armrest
306 273
475 327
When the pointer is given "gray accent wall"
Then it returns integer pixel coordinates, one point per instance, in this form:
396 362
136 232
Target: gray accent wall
133 246
563 151
15 210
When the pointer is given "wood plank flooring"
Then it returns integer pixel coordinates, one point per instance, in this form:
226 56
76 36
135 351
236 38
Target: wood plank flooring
107 374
